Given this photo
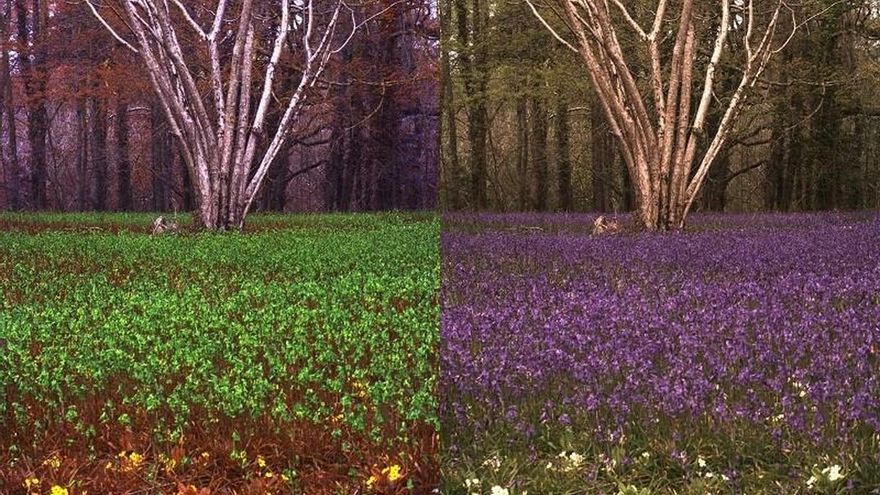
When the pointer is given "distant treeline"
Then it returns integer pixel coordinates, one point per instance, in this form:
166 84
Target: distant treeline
80 128
523 130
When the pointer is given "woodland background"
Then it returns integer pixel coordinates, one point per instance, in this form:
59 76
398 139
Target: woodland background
522 129
81 130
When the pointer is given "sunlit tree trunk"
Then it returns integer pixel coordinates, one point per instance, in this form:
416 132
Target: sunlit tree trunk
659 121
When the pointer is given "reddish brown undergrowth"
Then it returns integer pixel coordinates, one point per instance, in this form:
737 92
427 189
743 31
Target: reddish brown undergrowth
267 458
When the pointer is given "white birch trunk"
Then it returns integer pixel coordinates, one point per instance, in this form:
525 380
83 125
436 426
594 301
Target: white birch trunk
220 134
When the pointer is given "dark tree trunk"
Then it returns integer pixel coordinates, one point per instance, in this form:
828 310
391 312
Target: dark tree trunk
123 160
475 74
563 156
82 155
160 159
337 167
715 190
451 164
188 200
522 151
602 158
99 153
477 161
628 196
538 119
34 77
334 171
8 153
276 184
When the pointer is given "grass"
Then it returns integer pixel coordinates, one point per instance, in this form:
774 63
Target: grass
299 357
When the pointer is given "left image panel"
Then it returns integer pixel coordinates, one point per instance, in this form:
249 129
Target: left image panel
219 256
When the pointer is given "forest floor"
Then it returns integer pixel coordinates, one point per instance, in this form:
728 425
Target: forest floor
299 357
739 356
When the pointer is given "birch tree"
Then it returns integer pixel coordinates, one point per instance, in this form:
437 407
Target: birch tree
658 115
217 89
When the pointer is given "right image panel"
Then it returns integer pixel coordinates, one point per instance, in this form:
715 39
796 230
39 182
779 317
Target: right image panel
660 247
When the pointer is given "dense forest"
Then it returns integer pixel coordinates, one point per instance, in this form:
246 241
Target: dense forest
524 130
82 129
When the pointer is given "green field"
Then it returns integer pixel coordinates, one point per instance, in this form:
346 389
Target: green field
298 356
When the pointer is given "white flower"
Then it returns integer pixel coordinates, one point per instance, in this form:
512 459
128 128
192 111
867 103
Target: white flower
701 462
471 482
646 455
812 481
832 473
576 460
725 477
497 490
710 475
493 462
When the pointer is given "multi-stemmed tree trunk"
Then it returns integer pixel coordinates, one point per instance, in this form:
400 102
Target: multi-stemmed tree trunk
660 123
221 130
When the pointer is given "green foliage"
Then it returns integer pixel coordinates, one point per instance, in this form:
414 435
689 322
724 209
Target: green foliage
329 319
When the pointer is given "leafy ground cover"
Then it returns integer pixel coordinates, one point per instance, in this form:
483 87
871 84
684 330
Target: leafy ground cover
742 356
297 358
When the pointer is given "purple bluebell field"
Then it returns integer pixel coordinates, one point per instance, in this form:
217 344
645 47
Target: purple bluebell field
742 355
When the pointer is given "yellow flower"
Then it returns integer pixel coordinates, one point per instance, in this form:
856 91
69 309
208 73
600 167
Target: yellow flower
393 473
132 461
31 482
261 461
168 462
360 389
371 481
269 474
53 462
284 477
57 490
205 456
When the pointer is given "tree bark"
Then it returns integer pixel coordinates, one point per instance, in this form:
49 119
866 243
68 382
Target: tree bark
34 78
522 151
538 118
160 159
123 160
451 163
219 140
9 153
83 131
473 59
659 146
563 155
602 159
99 153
